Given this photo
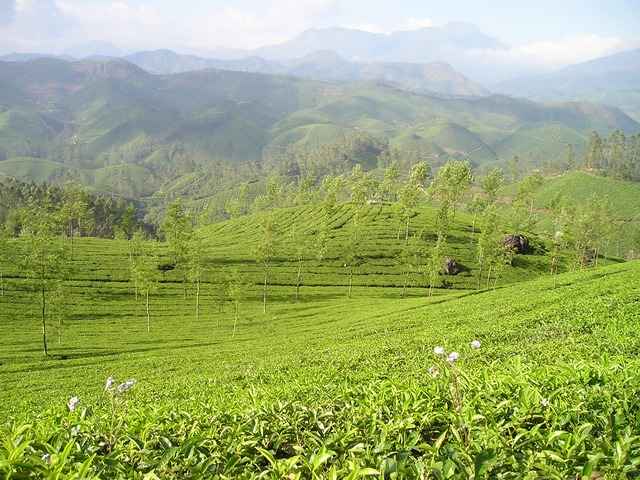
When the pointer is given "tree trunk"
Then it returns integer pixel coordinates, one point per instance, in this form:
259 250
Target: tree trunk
406 281
350 280
264 291
298 280
197 299
44 322
148 312
235 319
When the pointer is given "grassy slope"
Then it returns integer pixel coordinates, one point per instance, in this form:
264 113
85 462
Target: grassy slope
578 187
326 373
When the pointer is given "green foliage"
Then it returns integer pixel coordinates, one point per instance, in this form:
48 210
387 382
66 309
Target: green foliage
311 391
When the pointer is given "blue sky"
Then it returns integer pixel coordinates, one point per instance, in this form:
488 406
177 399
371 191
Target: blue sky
557 32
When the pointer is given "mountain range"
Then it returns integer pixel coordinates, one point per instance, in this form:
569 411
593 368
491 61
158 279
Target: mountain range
457 59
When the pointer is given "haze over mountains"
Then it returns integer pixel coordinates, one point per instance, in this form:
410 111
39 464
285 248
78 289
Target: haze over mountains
457 59
105 119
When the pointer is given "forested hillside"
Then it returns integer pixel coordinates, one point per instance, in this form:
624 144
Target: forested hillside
117 129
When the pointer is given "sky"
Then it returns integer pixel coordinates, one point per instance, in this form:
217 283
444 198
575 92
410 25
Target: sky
553 32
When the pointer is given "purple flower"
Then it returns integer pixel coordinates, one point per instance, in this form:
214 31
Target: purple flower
73 402
453 356
476 344
109 385
438 351
434 372
126 385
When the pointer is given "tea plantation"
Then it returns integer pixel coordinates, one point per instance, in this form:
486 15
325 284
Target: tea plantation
384 383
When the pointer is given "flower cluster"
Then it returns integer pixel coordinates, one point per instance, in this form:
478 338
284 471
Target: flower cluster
73 402
110 385
451 357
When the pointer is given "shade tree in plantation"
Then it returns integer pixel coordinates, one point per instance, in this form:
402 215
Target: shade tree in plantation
594 157
489 247
301 245
354 251
265 250
44 254
450 184
196 265
410 195
410 258
561 212
177 228
75 213
146 274
3 256
522 205
433 268
307 192
491 183
237 286
591 227
389 185
330 191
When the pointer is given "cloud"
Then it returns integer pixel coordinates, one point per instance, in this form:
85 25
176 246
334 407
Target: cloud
413 23
551 54
30 24
305 12
368 27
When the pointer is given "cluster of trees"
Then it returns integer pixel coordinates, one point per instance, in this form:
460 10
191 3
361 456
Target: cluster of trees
616 156
82 213
49 218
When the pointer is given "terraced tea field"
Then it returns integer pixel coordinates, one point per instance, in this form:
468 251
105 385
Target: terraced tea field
325 386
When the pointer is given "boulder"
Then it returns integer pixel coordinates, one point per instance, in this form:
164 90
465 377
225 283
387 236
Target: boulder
450 266
517 243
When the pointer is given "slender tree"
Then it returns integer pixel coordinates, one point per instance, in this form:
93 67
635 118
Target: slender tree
236 292
434 263
390 182
178 232
522 205
74 212
411 193
451 182
44 253
266 248
3 253
491 183
409 259
147 275
595 151
489 242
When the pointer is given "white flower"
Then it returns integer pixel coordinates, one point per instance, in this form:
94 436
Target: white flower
72 403
45 457
453 356
126 385
476 344
544 402
438 351
434 372
109 385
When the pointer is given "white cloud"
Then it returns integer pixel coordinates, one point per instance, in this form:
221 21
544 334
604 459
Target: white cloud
569 50
552 54
306 12
413 23
368 27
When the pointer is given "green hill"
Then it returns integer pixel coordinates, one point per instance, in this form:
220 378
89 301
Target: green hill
326 385
90 115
